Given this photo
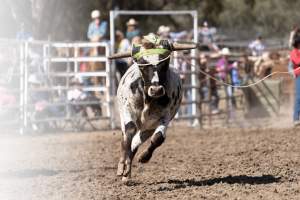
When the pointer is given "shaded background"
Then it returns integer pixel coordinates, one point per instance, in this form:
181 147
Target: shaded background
68 19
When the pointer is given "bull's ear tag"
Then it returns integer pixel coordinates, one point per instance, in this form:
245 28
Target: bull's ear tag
152 59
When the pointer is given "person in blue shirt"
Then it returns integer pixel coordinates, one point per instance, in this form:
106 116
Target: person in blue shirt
22 34
257 47
97 28
132 30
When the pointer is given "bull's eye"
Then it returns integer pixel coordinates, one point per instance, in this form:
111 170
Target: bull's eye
142 68
160 67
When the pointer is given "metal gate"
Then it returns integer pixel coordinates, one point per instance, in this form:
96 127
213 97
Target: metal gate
60 86
11 85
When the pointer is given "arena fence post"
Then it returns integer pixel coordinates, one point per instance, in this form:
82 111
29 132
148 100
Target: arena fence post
22 87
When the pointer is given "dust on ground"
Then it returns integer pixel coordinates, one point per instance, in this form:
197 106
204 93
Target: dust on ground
192 164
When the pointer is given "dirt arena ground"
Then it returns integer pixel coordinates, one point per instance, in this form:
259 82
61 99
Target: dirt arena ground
192 164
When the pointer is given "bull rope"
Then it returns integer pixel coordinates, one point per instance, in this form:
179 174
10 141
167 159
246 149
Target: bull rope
218 80
244 86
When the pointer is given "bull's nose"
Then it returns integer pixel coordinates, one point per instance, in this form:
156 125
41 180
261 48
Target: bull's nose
156 91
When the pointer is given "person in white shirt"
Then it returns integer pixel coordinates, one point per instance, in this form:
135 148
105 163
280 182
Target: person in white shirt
257 47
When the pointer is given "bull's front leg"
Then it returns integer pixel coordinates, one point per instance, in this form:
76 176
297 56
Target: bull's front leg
156 140
124 165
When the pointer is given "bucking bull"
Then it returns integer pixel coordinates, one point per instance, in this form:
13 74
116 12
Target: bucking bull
149 95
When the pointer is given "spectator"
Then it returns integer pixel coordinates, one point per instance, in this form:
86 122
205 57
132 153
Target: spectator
136 40
6 97
208 86
123 45
132 29
264 64
207 35
257 47
97 28
248 66
234 74
182 64
40 99
182 35
223 65
226 72
164 32
295 33
295 72
96 33
76 95
22 34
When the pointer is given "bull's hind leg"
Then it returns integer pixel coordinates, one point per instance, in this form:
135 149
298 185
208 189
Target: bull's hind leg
156 140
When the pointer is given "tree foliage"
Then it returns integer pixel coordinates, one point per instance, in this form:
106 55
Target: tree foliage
68 19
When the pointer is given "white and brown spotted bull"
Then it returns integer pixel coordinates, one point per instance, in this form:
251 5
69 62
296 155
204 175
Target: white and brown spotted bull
149 95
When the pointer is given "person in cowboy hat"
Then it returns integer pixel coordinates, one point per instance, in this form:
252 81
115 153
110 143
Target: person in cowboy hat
97 28
294 69
225 71
164 32
132 29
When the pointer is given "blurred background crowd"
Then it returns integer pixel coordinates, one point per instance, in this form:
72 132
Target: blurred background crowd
248 26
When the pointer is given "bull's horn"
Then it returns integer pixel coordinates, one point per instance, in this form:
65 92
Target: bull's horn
177 46
120 55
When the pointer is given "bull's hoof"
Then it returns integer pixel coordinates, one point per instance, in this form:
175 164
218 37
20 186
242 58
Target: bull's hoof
145 156
120 169
125 179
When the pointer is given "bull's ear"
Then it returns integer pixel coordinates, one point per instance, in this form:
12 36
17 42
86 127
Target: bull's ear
120 55
180 46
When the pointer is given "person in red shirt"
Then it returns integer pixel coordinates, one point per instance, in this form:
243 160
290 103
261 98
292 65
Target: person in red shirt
294 69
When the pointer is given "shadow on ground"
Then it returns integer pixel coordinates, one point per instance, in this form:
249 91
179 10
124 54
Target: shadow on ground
242 179
29 173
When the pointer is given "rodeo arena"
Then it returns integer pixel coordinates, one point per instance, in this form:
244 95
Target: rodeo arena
167 114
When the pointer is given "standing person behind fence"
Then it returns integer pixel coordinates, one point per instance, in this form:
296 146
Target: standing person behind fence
207 33
164 32
132 29
224 70
97 28
248 67
23 34
96 33
257 47
40 100
295 33
123 45
295 72
208 86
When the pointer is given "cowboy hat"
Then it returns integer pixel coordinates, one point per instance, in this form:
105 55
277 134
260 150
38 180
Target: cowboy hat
225 51
95 14
33 79
163 29
132 22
